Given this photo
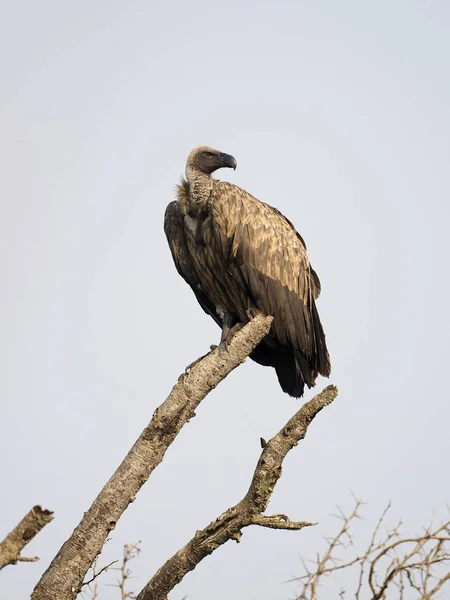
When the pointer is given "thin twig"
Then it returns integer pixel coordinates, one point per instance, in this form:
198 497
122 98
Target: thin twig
130 552
98 573
389 560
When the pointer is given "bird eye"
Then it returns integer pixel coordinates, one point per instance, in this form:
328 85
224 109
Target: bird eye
208 154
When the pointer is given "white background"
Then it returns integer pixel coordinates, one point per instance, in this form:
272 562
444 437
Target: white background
337 113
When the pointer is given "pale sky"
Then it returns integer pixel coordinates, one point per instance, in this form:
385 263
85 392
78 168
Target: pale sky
338 114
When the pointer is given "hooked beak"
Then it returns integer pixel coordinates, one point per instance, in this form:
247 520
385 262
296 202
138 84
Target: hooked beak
227 160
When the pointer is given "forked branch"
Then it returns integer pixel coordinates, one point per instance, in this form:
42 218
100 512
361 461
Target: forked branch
417 567
249 511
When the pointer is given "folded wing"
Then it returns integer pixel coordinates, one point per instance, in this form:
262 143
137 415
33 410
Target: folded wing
174 230
264 252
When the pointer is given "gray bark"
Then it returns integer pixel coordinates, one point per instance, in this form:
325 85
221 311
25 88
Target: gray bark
249 511
21 535
63 578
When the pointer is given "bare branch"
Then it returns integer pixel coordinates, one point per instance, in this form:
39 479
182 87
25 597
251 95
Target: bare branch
280 522
130 552
98 573
436 588
21 535
314 577
248 511
63 578
398 564
407 563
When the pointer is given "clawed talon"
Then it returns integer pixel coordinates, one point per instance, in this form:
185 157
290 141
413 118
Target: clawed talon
189 367
226 340
234 330
222 348
252 313
227 335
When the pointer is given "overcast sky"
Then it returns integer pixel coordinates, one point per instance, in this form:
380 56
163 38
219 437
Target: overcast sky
338 114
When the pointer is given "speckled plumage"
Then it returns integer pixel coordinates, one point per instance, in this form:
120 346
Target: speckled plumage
241 256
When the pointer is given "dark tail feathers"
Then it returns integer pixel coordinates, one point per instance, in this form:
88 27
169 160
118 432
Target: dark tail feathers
293 371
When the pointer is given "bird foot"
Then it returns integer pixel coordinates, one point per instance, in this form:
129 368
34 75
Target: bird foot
190 366
233 331
252 313
226 339
222 348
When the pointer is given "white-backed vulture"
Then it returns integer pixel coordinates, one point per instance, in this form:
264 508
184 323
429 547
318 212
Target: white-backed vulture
241 256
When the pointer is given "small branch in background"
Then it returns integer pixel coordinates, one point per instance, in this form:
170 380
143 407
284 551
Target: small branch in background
22 534
419 564
130 552
63 578
95 575
94 580
248 511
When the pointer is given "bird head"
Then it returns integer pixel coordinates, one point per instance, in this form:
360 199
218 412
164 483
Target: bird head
207 160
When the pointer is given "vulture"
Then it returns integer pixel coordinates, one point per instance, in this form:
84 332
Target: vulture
242 257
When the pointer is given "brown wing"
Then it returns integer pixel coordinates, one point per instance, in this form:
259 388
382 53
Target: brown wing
175 233
264 251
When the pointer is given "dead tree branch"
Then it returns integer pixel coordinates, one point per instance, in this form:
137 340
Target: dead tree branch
63 578
96 573
229 525
130 552
419 565
21 535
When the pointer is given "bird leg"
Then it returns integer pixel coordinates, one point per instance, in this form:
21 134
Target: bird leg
228 332
252 313
192 364
227 323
